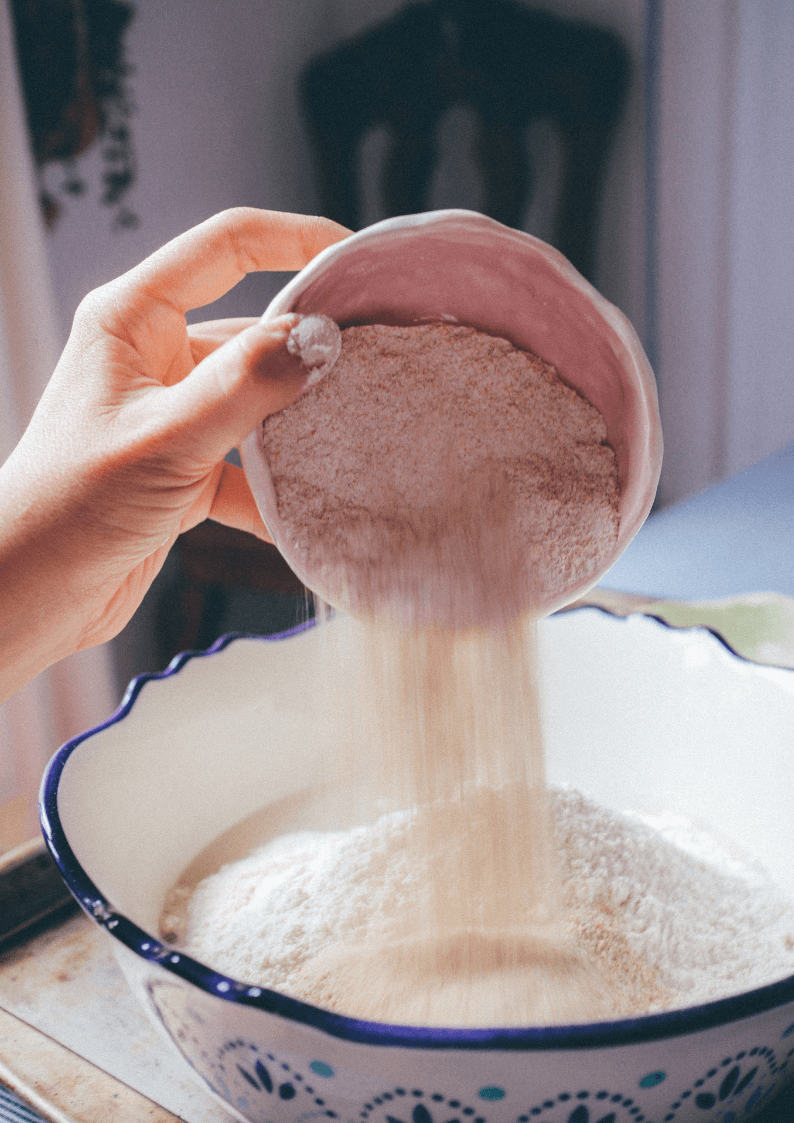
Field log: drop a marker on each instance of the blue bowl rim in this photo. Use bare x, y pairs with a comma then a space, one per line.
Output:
627, 1031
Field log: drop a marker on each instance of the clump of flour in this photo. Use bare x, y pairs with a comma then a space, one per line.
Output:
670, 927
484, 480
317, 341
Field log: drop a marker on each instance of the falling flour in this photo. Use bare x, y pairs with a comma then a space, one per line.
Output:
449, 488
676, 918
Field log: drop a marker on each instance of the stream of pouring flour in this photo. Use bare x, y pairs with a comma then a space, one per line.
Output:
447, 725
441, 475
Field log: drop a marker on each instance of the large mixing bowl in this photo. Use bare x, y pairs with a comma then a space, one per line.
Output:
462, 267
637, 716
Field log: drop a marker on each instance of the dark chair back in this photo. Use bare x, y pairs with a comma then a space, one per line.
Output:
511, 66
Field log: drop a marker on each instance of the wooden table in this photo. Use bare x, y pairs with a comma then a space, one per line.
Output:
75, 1043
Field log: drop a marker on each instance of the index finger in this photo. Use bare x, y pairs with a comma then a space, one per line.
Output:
206, 337
202, 264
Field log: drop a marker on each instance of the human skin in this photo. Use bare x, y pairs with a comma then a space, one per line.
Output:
126, 448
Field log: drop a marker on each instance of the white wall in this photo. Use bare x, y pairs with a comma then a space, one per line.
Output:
725, 312
218, 125
760, 416
693, 171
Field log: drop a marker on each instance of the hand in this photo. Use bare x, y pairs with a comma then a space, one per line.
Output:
125, 450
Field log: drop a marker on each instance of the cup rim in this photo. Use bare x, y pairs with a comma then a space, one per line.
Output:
636, 499
626, 1031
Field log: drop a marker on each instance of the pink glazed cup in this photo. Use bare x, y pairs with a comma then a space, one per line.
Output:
461, 267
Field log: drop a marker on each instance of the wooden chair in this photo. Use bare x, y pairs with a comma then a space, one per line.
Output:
509, 64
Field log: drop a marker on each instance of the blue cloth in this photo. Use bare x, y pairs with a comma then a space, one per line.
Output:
736, 537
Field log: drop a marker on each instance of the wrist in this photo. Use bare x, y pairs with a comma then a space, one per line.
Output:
40, 621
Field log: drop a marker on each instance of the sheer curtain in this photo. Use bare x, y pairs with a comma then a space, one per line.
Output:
723, 182
80, 691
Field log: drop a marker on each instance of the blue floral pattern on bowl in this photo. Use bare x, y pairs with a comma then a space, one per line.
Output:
273, 1059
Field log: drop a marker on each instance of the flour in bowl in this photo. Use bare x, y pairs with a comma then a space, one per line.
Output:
673, 918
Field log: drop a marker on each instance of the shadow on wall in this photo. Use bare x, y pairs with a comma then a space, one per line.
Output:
511, 67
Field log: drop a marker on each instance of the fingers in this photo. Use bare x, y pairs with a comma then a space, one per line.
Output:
234, 388
204, 263
233, 504
208, 336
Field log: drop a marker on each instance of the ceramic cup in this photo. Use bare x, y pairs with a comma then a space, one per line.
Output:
457, 266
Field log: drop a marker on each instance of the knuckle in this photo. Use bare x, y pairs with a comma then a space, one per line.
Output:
91, 304
95, 309
239, 225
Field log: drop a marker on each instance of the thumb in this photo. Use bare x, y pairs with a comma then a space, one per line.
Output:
233, 389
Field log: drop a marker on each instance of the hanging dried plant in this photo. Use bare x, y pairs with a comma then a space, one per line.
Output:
73, 71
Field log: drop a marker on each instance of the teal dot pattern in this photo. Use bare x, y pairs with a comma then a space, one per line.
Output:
735, 1086
652, 1079
263, 1085
584, 1106
418, 1105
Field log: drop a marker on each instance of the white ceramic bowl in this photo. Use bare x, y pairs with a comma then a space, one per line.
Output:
459, 266
637, 716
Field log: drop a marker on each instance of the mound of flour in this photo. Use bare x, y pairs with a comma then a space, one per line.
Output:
436, 464
673, 917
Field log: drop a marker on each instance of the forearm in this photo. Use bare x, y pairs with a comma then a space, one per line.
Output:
35, 631
40, 619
